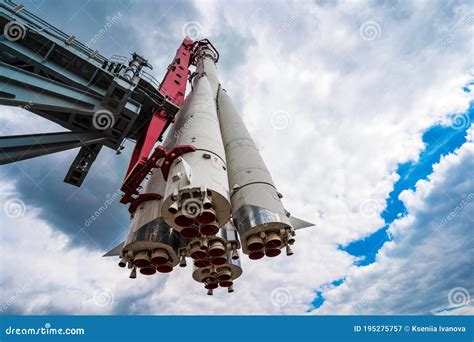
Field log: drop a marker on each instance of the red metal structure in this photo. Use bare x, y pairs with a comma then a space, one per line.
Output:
173, 88
220, 196
92, 90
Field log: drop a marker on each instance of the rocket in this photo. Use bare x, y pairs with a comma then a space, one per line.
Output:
196, 199
212, 201
151, 245
257, 211
208, 199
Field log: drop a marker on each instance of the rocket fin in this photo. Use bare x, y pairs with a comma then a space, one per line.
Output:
116, 250
297, 223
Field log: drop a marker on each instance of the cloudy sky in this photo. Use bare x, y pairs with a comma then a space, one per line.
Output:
363, 112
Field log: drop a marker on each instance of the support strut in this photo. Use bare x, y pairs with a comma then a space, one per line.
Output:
19, 147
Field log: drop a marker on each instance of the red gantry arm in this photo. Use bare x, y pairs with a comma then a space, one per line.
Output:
173, 87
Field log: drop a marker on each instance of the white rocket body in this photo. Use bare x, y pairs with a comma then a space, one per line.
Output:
257, 209
151, 244
215, 200
196, 198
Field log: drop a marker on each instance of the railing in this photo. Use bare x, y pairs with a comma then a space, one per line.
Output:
42, 26
118, 59
150, 79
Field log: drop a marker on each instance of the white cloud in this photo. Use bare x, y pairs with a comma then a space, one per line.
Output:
358, 107
42, 273
427, 267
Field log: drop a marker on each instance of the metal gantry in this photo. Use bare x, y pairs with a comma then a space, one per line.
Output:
209, 193
100, 101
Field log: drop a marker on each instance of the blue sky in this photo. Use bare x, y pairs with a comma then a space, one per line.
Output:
362, 112
439, 141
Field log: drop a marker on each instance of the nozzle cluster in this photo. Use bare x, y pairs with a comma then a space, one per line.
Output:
213, 277
193, 214
216, 259
269, 243
148, 262
217, 198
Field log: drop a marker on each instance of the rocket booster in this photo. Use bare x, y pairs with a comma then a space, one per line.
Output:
221, 264
196, 199
207, 203
151, 244
257, 210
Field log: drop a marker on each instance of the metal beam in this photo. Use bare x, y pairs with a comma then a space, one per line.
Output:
73, 108
82, 163
33, 59
51, 74
22, 88
19, 147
